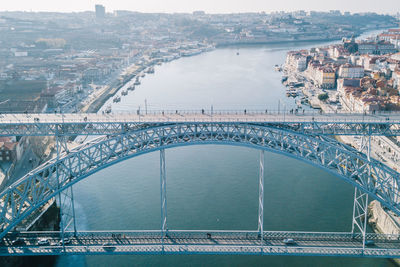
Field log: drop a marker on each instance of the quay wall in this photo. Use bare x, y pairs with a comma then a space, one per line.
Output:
383, 221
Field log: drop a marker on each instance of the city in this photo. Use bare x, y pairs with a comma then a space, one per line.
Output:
84, 93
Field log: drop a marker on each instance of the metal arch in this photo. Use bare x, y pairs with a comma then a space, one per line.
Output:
38, 186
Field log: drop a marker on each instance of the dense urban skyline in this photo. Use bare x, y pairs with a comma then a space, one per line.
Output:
220, 6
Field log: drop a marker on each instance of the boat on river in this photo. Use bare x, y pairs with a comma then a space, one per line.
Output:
108, 109
278, 68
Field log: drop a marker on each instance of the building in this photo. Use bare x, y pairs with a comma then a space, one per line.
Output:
343, 83
297, 60
326, 77
100, 11
8, 149
351, 71
199, 13
392, 36
396, 79
376, 47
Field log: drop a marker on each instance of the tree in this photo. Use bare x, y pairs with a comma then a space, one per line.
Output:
323, 97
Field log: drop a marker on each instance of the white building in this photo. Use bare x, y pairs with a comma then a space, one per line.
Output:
297, 61
351, 71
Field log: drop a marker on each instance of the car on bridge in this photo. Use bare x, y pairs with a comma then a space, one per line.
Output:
289, 241
18, 242
65, 241
108, 247
369, 243
43, 242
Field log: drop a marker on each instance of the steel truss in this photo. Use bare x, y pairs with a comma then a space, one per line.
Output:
48, 180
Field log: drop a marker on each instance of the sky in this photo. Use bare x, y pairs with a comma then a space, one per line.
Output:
210, 6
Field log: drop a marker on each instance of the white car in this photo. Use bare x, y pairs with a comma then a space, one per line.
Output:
289, 241
43, 242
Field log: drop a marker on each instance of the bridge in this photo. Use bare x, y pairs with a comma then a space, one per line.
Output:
306, 137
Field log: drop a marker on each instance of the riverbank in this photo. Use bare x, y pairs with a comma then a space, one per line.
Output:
383, 221
105, 93
256, 43
135, 71
291, 40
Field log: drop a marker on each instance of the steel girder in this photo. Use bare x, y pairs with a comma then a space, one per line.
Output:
78, 124
38, 186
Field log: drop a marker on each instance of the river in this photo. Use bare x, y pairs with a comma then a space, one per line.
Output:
215, 187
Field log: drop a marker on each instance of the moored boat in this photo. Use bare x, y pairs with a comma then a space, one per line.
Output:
108, 109
117, 99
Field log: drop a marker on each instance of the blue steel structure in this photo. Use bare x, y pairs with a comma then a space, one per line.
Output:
127, 139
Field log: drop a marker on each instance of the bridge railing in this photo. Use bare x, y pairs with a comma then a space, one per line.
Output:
250, 111
191, 115
210, 233
253, 112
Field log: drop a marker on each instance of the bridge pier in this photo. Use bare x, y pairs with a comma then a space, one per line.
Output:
163, 194
66, 197
360, 206
58, 144
261, 198
67, 209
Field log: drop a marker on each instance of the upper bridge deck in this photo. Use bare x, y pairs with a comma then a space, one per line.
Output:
311, 122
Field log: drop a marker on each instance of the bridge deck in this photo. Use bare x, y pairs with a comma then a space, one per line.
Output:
203, 242
111, 124
197, 117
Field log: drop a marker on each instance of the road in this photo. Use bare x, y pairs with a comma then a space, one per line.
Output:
197, 116
211, 242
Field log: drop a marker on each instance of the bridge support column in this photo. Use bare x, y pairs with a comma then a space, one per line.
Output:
261, 198
67, 209
163, 194
62, 229
360, 213
66, 197
360, 206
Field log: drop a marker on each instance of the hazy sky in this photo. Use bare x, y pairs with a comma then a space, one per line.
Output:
210, 6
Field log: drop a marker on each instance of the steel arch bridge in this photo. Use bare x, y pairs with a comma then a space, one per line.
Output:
370, 176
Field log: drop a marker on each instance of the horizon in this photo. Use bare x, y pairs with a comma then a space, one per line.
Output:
391, 7
183, 12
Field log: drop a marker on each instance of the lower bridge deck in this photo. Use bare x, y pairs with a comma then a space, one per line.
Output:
200, 242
